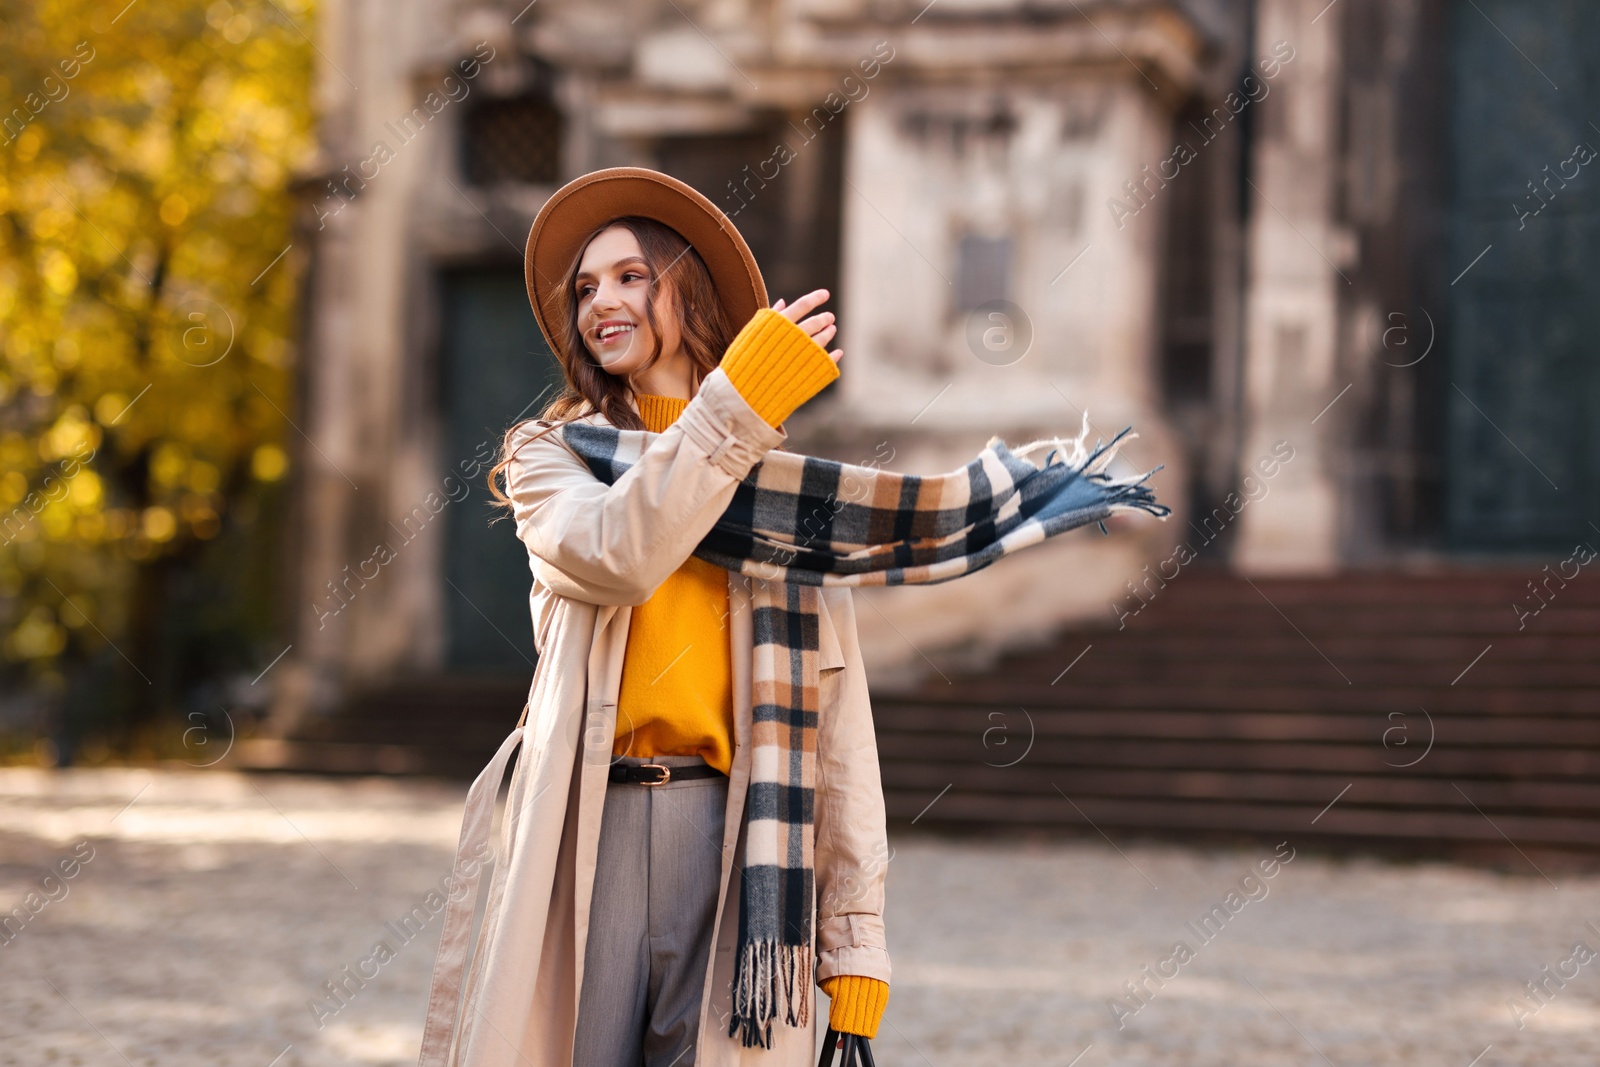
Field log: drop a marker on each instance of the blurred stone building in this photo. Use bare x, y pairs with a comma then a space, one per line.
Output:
1331, 260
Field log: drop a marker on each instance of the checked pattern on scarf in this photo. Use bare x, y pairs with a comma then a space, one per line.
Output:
797, 522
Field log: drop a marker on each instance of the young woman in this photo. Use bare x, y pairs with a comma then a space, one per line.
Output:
626, 942
695, 829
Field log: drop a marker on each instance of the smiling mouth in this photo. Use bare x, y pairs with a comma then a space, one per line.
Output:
610, 335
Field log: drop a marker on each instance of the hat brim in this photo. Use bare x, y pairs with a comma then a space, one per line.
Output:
575, 210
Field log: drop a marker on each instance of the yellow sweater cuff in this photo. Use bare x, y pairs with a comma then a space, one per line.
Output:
856, 1004
776, 366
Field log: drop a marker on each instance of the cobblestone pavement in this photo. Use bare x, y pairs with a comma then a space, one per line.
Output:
204, 912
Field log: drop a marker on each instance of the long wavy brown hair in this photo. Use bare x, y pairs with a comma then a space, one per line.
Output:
676, 270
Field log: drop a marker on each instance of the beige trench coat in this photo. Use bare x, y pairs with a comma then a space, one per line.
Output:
595, 551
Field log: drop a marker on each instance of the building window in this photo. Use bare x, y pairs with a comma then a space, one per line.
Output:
983, 271
517, 139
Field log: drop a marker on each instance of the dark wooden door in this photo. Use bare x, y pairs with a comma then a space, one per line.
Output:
1523, 393
494, 368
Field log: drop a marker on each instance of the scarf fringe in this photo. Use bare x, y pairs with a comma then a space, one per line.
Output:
769, 979
1075, 455
1119, 494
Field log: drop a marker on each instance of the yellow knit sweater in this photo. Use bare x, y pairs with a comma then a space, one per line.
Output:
676, 697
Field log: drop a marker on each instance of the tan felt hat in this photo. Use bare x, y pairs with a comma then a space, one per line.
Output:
579, 207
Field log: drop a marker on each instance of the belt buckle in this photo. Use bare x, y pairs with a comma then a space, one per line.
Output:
666, 773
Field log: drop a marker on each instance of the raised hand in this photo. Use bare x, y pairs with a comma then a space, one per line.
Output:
821, 326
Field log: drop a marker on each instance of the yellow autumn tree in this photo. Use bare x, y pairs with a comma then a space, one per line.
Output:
147, 299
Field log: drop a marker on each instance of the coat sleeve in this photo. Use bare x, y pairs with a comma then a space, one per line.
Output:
615, 544
852, 845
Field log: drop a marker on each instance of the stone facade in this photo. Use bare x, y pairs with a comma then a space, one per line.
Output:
1155, 213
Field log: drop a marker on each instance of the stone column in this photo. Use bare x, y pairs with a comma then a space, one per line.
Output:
364, 612
1297, 257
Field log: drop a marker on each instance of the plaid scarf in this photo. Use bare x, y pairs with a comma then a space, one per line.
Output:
797, 522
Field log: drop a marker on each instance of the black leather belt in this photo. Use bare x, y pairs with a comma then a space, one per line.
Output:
659, 774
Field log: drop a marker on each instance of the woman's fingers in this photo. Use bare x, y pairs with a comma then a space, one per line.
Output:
795, 311
816, 324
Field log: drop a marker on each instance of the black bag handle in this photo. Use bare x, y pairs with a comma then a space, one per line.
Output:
857, 1050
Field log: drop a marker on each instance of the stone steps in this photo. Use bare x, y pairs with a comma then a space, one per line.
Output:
1370, 708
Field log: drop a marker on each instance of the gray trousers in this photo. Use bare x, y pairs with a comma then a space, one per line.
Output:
649, 940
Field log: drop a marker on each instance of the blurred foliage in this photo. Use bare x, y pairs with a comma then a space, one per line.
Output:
146, 329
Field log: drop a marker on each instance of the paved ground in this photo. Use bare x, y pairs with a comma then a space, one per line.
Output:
200, 920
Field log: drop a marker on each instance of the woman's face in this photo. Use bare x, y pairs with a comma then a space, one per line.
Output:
613, 285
